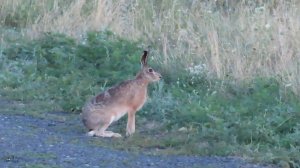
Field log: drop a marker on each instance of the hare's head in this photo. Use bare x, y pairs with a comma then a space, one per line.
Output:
147, 73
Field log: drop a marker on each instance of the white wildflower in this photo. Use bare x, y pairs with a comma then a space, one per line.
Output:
197, 69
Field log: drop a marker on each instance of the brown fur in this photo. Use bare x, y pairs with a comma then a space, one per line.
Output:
110, 105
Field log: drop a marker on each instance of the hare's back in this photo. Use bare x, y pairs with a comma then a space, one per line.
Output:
114, 93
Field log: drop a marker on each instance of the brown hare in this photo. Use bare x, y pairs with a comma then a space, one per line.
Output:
110, 105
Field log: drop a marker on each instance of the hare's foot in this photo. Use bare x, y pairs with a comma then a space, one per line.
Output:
101, 132
129, 132
117, 135
91, 133
107, 134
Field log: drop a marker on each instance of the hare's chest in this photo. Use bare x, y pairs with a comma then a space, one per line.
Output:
139, 100
142, 102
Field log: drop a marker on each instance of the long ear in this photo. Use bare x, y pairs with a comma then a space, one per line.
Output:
144, 58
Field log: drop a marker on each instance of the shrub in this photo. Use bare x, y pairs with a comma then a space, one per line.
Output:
59, 69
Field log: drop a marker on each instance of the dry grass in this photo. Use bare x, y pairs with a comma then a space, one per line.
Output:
240, 39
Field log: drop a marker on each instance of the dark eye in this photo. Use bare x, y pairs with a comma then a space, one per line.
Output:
150, 70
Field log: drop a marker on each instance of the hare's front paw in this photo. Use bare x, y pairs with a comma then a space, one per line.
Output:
129, 132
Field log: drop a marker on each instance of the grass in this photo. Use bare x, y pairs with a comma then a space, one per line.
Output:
192, 115
241, 39
230, 70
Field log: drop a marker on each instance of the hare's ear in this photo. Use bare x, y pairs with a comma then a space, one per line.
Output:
144, 58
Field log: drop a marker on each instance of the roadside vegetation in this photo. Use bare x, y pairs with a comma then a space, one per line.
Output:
230, 69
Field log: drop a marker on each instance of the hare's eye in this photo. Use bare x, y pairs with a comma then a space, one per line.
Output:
150, 70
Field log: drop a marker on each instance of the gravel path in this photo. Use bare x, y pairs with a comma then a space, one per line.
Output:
27, 141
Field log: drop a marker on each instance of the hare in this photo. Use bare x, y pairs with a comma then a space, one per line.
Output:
110, 105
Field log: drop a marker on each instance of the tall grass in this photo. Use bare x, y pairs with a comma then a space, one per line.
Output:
239, 39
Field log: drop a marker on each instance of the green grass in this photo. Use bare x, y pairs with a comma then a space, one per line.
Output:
192, 114
41, 69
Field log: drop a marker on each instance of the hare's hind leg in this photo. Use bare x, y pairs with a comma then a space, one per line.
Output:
101, 132
107, 134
